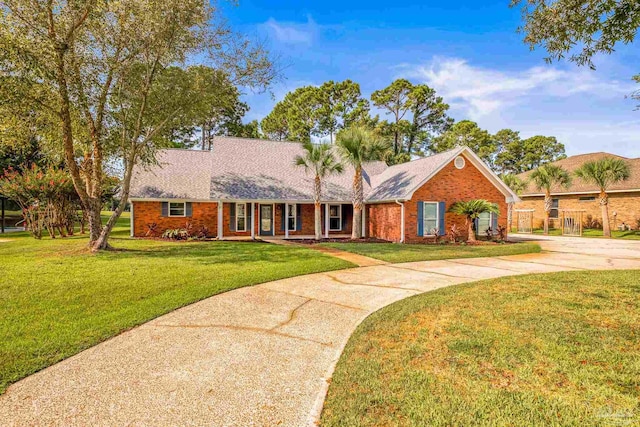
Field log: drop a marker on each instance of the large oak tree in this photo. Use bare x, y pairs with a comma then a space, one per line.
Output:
101, 71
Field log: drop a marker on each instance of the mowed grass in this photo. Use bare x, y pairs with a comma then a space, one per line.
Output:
561, 349
592, 232
408, 253
58, 299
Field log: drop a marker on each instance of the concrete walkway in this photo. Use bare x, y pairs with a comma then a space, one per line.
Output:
256, 356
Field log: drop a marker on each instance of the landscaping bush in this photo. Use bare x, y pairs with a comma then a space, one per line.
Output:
591, 222
46, 198
175, 234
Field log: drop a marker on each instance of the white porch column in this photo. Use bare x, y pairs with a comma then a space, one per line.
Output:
220, 220
326, 220
253, 220
364, 218
130, 218
286, 220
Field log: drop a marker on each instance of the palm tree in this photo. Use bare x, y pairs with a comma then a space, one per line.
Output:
517, 186
545, 177
471, 210
604, 173
318, 159
358, 146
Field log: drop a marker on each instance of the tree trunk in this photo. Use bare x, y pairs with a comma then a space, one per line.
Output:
316, 204
358, 201
548, 203
471, 233
101, 241
204, 137
95, 223
604, 205
318, 220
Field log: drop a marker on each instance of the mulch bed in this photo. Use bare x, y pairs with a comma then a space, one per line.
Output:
339, 240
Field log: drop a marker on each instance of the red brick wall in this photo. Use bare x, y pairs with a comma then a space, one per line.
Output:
203, 214
451, 185
384, 221
206, 214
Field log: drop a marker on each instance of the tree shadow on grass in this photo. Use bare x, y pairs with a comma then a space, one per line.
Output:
216, 252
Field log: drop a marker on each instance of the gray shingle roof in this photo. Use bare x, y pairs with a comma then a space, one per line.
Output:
180, 174
251, 169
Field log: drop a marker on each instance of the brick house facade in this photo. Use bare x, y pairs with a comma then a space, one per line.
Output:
248, 188
624, 197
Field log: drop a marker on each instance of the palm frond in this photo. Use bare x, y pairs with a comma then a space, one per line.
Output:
473, 208
604, 172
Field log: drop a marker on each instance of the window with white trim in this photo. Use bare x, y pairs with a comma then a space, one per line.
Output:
177, 209
291, 216
430, 218
241, 217
335, 217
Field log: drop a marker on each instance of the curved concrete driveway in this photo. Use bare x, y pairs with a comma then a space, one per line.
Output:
259, 355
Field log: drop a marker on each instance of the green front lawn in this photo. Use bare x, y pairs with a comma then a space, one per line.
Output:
560, 349
592, 232
57, 299
408, 253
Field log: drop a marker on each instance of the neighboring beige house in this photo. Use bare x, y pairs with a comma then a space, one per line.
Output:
624, 197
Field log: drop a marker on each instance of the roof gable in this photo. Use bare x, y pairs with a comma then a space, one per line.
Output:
399, 182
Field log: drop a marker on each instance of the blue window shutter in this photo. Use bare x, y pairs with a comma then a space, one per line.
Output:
298, 217
249, 213
420, 219
494, 222
165, 208
441, 222
188, 209
232, 217
476, 225
283, 217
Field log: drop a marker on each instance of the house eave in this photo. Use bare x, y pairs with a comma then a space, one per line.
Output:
580, 193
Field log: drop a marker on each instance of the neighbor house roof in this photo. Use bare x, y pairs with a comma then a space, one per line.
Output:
252, 169
579, 186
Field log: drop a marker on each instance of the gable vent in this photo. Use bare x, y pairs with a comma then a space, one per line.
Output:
459, 162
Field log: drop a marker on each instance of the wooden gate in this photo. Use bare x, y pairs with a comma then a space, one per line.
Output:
524, 220
572, 222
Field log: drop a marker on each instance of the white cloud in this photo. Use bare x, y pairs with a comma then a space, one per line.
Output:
480, 91
292, 32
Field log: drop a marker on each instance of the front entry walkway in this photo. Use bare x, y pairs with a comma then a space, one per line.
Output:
259, 355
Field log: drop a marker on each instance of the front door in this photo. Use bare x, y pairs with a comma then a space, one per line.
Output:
266, 220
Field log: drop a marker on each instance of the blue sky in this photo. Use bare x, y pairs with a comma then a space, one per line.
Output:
469, 51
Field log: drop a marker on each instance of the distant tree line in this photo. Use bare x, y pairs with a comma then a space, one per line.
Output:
417, 124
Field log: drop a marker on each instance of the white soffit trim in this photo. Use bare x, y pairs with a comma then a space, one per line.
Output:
571, 193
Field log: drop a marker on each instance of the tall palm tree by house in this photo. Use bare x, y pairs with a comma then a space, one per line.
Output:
471, 210
358, 146
517, 186
319, 160
545, 177
604, 173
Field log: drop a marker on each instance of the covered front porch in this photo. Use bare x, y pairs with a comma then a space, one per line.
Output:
250, 219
